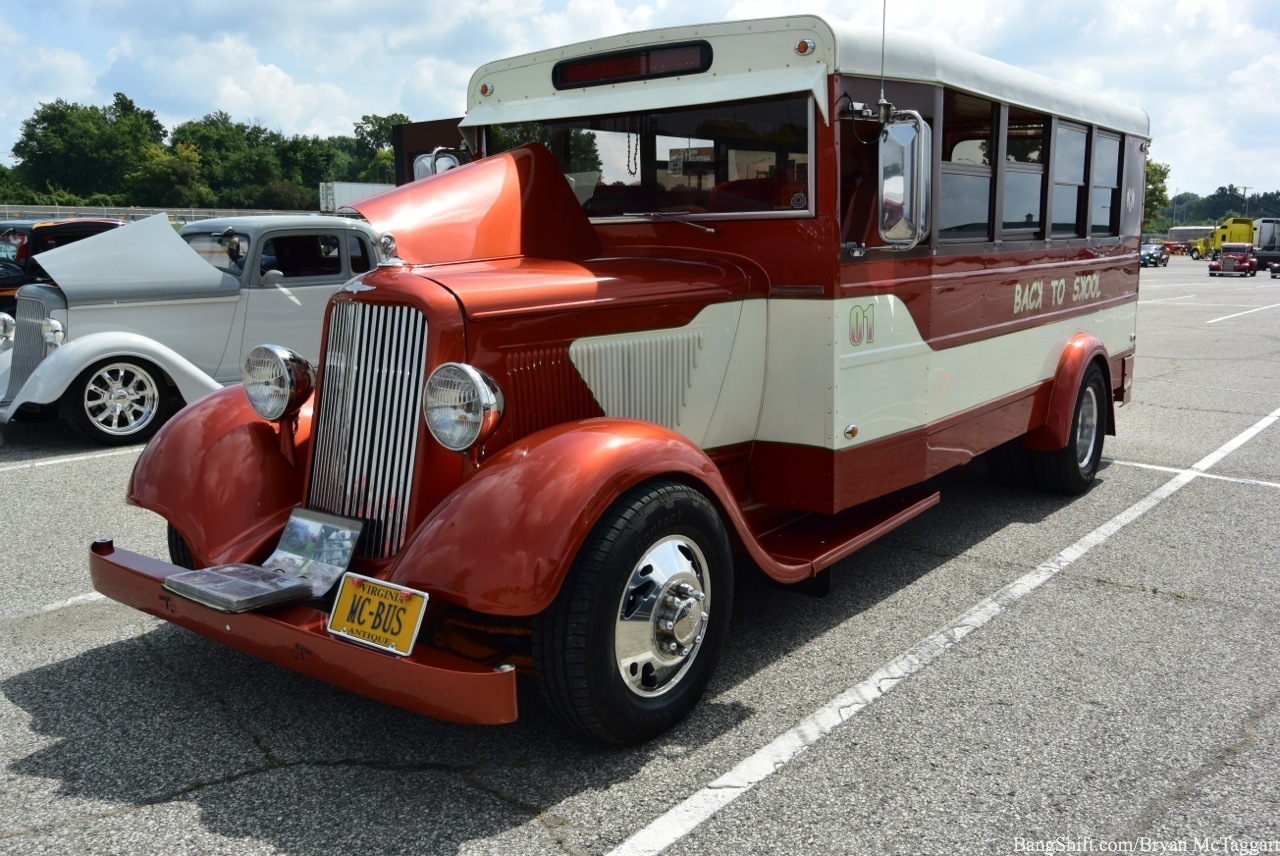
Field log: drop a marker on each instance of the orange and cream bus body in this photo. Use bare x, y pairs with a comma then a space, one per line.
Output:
702, 297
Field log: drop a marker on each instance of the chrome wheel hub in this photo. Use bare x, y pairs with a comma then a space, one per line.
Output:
121, 399
1087, 428
663, 616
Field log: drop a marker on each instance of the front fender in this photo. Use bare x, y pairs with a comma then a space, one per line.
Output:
63, 365
217, 473
503, 542
1055, 433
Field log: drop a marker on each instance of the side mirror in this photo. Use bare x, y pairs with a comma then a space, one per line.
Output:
272, 277
440, 160
906, 154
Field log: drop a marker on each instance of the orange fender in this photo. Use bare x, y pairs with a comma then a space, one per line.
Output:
217, 472
503, 542
1055, 433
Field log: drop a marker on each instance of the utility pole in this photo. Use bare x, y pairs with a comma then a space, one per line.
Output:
1244, 191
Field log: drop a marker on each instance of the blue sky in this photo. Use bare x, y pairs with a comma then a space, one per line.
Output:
1210, 81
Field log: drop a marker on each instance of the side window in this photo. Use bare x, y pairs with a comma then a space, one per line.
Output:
361, 257
1104, 218
1068, 179
965, 191
1024, 170
301, 256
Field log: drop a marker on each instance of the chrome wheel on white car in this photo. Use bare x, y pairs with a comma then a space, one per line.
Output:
117, 402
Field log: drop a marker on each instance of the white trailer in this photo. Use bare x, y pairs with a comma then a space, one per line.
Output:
338, 194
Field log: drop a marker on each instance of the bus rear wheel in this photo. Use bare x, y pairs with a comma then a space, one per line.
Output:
1071, 469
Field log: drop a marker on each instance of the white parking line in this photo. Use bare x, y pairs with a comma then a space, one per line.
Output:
1238, 314
91, 597
1160, 469
681, 820
1165, 299
31, 465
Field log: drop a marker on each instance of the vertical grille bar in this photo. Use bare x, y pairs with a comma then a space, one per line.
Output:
367, 423
29, 347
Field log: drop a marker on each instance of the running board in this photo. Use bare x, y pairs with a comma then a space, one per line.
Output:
821, 540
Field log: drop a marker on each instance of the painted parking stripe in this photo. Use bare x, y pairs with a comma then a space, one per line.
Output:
1238, 314
681, 820
31, 465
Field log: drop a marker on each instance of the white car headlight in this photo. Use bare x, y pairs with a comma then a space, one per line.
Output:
462, 406
6, 326
53, 331
277, 381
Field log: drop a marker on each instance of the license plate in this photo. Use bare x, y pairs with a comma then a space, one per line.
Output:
378, 614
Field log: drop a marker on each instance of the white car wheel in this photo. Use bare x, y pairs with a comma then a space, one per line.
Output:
117, 402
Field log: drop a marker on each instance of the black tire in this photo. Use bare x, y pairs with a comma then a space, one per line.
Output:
658, 565
179, 551
117, 402
1071, 469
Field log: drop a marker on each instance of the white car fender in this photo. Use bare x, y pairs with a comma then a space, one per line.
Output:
61, 366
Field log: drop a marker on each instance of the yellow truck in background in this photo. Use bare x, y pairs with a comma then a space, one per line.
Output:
1237, 230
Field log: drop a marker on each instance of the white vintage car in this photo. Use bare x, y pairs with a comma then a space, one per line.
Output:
139, 321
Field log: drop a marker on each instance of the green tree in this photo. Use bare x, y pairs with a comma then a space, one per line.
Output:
168, 176
584, 154
1156, 197
84, 150
381, 168
238, 160
373, 133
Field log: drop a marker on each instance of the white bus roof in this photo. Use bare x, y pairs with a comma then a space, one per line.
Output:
756, 58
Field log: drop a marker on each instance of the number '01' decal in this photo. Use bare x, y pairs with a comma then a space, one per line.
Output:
862, 325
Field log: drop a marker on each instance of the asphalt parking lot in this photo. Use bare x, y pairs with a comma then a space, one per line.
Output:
1010, 672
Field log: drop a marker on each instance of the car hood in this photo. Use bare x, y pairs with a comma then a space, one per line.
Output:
517, 203
146, 260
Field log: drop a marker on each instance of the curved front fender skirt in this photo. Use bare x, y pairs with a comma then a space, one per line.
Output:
63, 365
217, 473
503, 542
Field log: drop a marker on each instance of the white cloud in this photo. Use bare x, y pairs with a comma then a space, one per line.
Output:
36, 74
1210, 81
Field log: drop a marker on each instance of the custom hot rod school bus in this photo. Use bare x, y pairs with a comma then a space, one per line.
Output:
704, 293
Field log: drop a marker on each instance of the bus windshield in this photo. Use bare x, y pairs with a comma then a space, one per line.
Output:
742, 157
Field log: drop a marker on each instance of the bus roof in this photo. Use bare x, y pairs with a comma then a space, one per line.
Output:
910, 57
756, 57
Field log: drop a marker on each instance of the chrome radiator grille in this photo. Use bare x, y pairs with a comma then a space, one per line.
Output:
29, 347
367, 422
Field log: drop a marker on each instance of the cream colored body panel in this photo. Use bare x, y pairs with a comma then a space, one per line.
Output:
802, 371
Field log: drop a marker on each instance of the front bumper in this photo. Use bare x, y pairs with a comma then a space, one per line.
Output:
428, 681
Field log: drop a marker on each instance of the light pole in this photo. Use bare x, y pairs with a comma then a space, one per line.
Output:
1244, 191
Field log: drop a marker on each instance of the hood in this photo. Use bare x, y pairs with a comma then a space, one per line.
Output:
146, 260
517, 203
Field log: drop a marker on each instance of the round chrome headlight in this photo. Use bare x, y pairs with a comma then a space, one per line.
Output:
462, 406
53, 331
6, 326
277, 381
